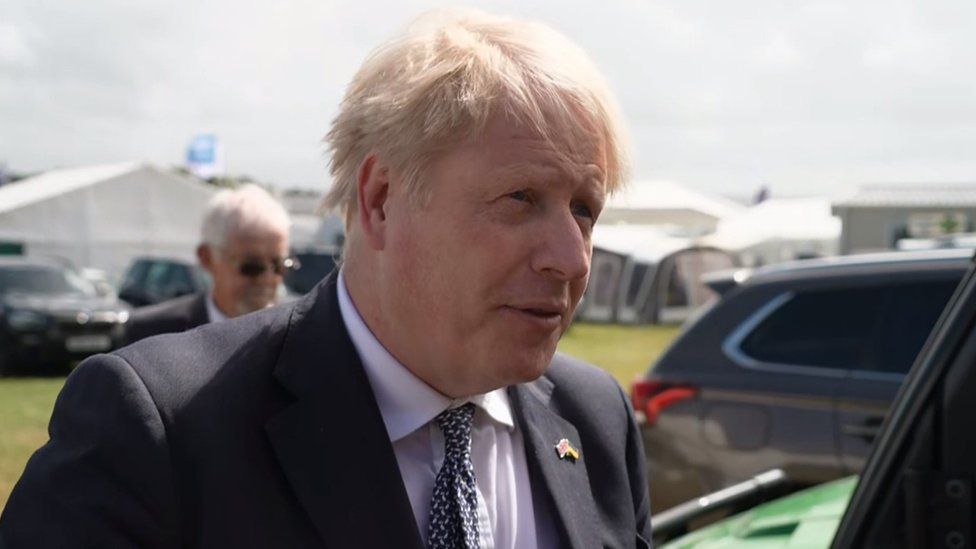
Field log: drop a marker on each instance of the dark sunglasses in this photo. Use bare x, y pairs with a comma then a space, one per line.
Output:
253, 268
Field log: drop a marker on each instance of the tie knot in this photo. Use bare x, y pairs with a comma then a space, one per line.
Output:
456, 423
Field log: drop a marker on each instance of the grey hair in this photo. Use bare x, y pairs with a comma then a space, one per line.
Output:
446, 76
247, 209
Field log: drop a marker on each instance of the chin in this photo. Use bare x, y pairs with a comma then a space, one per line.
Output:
529, 366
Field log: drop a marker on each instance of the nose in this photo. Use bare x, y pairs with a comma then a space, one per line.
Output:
563, 250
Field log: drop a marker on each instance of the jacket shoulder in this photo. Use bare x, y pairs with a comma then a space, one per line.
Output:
175, 315
175, 366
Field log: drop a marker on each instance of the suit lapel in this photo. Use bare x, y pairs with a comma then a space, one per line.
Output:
331, 442
564, 482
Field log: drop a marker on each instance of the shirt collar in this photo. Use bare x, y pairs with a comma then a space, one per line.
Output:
406, 402
214, 314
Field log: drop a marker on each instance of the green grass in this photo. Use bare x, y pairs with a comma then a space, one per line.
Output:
25, 404
624, 351
25, 407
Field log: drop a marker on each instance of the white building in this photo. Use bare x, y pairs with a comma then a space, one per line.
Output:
877, 217
104, 216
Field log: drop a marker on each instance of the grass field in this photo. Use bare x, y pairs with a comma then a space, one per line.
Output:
25, 406
624, 351
25, 403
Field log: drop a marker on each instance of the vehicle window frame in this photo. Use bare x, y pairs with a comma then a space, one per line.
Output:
732, 348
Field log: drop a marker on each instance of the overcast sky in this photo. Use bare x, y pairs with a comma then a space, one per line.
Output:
808, 97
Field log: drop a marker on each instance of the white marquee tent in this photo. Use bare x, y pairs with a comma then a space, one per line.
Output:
778, 230
104, 216
667, 203
644, 274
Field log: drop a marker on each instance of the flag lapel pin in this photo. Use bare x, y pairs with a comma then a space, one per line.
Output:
565, 450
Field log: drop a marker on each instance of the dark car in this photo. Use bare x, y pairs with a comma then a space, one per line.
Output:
50, 316
793, 367
151, 280
916, 489
313, 264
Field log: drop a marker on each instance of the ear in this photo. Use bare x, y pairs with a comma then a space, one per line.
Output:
373, 186
205, 257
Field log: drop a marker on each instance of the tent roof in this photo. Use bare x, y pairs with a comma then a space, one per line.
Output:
665, 195
56, 182
777, 219
642, 242
919, 195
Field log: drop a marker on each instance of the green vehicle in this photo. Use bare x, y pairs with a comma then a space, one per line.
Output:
805, 519
916, 490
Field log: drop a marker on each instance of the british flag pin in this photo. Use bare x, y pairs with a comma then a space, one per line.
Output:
565, 450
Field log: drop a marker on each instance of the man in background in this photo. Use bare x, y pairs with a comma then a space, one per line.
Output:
244, 248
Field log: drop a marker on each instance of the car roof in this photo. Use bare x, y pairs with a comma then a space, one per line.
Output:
722, 281
24, 261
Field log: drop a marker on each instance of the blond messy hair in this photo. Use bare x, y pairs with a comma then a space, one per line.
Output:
442, 80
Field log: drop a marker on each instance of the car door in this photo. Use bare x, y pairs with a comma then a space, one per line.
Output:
909, 311
917, 486
792, 356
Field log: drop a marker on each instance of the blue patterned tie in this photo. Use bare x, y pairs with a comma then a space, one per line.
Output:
454, 505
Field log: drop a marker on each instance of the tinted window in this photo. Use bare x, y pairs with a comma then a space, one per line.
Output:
136, 274
910, 315
828, 328
167, 280
871, 328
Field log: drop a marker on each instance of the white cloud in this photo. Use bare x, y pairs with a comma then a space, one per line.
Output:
14, 49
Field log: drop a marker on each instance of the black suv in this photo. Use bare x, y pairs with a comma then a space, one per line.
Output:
51, 316
792, 367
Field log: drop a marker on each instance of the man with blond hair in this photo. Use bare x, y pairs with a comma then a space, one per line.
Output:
244, 247
413, 399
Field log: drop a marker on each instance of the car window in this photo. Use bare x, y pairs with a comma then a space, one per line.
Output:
179, 282
136, 274
910, 314
166, 280
878, 329
829, 329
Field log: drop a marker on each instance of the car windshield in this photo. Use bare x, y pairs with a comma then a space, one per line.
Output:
38, 279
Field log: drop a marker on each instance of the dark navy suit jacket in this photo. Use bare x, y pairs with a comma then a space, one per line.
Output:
175, 315
263, 431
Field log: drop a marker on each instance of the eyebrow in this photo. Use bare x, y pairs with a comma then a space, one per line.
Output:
534, 173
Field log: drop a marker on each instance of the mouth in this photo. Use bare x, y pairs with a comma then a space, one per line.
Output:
543, 316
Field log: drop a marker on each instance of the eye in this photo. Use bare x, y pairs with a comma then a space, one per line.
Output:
520, 195
582, 210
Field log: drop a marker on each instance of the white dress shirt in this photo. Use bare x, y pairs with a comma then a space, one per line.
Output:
409, 406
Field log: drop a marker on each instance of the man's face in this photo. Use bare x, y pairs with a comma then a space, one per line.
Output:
234, 291
481, 280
